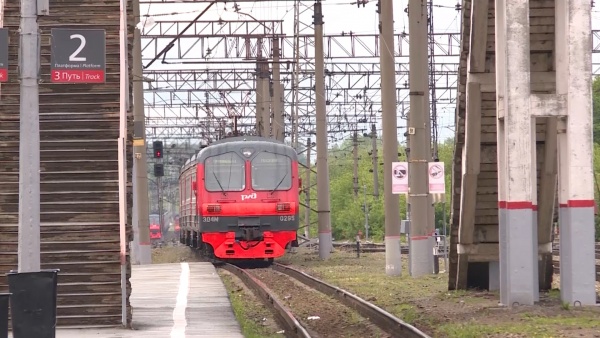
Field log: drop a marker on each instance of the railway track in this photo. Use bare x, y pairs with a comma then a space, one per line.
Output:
281, 282
286, 319
557, 268
377, 247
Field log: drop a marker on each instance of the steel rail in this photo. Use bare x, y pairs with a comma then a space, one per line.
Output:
556, 267
383, 319
292, 327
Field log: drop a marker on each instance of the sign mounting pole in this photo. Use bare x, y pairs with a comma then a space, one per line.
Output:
29, 141
122, 163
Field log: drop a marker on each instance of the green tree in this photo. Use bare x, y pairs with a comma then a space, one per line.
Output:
347, 210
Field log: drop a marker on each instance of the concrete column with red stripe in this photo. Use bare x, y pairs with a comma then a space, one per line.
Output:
576, 176
516, 144
534, 210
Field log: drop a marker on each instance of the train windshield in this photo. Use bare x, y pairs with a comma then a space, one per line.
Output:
271, 172
224, 172
154, 219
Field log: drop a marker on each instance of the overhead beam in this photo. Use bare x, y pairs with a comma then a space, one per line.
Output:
197, 48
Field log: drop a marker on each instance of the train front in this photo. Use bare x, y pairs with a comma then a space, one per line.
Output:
249, 202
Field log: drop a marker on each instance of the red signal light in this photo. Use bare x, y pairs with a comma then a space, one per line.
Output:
158, 148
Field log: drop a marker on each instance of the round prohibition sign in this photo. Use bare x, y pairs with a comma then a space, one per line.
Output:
436, 171
400, 171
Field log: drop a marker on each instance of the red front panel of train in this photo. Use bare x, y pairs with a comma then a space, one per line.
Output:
248, 207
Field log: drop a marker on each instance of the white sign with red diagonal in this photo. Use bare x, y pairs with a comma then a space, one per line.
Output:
437, 178
400, 178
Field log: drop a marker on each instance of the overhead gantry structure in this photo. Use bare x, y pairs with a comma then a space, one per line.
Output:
209, 77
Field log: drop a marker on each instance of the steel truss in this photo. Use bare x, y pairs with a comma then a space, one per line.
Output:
198, 45
244, 79
212, 85
351, 88
176, 100
185, 106
169, 2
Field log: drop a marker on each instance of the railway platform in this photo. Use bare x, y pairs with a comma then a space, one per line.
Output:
185, 300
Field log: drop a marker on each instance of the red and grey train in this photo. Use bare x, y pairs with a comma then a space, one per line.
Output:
155, 230
239, 199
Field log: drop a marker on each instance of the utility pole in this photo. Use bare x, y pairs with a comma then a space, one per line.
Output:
431, 46
307, 191
29, 141
375, 160
393, 265
432, 121
144, 253
277, 125
355, 153
421, 244
366, 216
296, 74
262, 94
323, 197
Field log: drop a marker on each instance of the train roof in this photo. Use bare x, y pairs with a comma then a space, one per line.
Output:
247, 139
236, 144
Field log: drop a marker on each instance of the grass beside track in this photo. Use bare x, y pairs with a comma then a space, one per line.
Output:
173, 254
426, 303
256, 321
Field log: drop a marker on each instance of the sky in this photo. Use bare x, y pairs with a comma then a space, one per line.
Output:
339, 16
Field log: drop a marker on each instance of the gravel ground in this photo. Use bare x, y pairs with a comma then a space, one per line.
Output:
318, 313
426, 302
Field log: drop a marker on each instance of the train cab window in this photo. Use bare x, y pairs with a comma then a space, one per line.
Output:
224, 172
154, 219
271, 172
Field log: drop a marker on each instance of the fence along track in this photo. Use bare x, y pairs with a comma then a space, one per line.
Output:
79, 173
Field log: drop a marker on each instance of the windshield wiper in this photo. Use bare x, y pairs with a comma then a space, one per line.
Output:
278, 184
219, 183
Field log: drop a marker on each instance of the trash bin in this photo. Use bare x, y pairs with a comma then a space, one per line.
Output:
33, 303
4, 298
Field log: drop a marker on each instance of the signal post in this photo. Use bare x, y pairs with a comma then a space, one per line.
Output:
159, 172
143, 254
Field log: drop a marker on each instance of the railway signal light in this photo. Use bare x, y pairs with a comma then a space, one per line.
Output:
158, 149
159, 170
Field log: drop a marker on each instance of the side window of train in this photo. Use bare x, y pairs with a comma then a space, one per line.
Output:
224, 172
271, 172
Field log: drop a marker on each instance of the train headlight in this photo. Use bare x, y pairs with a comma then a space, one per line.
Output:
213, 208
283, 207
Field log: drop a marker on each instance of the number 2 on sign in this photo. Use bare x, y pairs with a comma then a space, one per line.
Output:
74, 57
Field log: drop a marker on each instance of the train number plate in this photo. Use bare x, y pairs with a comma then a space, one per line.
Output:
210, 219
287, 218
